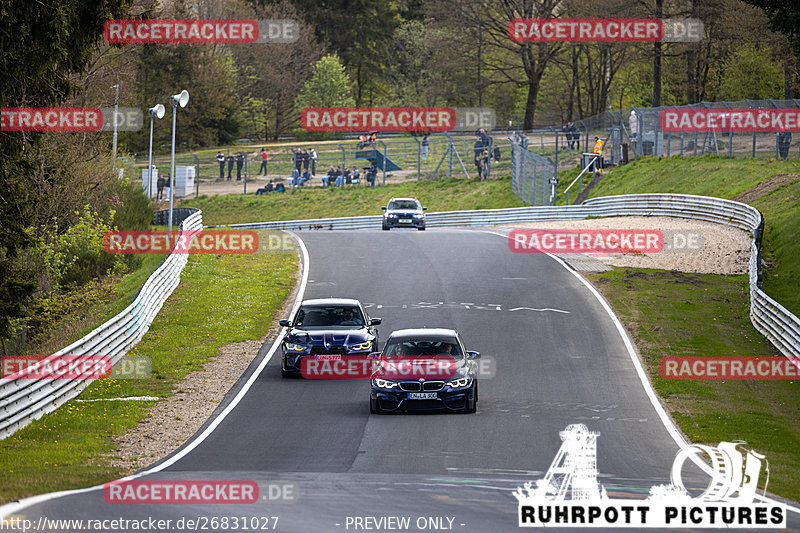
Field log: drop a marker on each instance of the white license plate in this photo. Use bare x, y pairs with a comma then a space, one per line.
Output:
329, 357
405, 221
422, 396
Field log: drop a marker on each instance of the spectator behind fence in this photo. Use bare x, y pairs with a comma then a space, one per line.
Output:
327, 178
425, 143
268, 188
239, 165
356, 175
305, 177
264, 159
313, 154
524, 141
160, 183
297, 158
574, 136
279, 187
230, 160
306, 159
372, 173
221, 161
338, 175
784, 140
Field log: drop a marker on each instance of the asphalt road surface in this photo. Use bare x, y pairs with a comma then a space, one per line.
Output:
557, 359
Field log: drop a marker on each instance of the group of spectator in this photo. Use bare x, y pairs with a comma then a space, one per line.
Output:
230, 160
485, 153
571, 135
304, 160
270, 187
338, 177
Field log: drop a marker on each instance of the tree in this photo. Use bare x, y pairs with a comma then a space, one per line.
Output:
329, 86
750, 73
784, 17
44, 43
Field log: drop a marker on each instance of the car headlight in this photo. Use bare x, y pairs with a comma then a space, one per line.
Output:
361, 347
419, 215
459, 383
295, 347
385, 383
391, 215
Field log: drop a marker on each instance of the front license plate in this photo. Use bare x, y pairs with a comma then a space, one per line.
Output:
329, 357
422, 396
405, 221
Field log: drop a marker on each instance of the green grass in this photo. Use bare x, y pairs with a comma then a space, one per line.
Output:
221, 299
676, 314
727, 178
316, 202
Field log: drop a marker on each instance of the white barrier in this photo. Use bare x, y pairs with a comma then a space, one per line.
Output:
24, 400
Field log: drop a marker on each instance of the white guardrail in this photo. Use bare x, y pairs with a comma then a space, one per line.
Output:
769, 317
24, 400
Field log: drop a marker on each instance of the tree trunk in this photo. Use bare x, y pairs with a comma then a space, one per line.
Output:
788, 93
530, 104
657, 60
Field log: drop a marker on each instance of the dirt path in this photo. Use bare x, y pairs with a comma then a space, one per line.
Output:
764, 188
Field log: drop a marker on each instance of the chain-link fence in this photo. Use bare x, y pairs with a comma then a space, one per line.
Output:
532, 175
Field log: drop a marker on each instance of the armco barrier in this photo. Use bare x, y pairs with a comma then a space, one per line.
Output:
22, 400
773, 320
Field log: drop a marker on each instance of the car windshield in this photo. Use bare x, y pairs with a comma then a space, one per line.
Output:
404, 204
425, 347
329, 315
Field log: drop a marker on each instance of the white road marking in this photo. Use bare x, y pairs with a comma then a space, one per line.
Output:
543, 309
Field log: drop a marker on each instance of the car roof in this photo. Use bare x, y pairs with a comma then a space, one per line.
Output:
423, 332
331, 301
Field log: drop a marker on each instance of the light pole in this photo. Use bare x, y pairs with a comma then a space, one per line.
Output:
156, 111
116, 103
176, 100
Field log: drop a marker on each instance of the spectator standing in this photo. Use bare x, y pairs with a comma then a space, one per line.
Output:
306, 160
221, 161
574, 136
524, 141
633, 123
425, 143
784, 142
230, 159
477, 149
264, 159
239, 165
372, 173
313, 154
160, 183
298, 159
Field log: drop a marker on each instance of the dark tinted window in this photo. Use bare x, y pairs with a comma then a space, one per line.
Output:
327, 316
426, 347
404, 204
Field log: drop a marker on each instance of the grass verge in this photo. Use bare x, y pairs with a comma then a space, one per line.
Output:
676, 314
221, 299
727, 178
317, 202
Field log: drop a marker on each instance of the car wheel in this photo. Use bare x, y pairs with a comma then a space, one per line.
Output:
421, 228
385, 227
373, 409
474, 407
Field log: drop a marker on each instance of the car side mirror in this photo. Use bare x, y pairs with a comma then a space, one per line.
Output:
424, 208
374, 321
284, 323
473, 355
383, 207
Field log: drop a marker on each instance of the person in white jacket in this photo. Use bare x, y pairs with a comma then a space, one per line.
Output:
634, 125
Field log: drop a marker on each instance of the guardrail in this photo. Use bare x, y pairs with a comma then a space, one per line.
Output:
769, 317
25, 400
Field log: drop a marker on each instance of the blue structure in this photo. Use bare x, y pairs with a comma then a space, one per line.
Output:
380, 161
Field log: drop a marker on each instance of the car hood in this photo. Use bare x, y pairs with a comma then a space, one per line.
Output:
329, 337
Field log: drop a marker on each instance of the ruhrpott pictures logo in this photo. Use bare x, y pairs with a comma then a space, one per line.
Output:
727, 502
